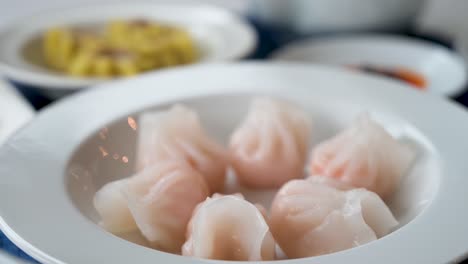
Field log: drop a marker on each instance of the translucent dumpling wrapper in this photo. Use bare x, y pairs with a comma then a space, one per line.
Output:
331, 182
161, 199
112, 207
177, 134
364, 155
270, 146
229, 228
309, 219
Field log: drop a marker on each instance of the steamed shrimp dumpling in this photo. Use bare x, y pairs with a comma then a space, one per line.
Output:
177, 134
270, 146
331, 182
161, 199
364, 155
229, 228
309, 219
112, 207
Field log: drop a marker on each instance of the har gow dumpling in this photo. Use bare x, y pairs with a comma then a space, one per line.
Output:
270, 146
229, 228
331, 182
177, 134
364, 155
112, 207
309, 219
161, 199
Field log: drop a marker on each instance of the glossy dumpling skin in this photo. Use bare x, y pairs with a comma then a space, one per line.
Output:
161, 199
177, 134
270, 146
329, 181
229, 228
112, 207
309, 219
364, 155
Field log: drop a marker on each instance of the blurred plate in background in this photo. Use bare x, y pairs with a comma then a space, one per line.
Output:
318, 16
443, 71
219, 34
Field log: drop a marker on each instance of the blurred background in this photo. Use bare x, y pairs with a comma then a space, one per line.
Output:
278, 23
421, 42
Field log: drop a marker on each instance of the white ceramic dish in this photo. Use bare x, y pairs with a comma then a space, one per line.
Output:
444, 70
46, 208
219, 34
14, 111
320, 16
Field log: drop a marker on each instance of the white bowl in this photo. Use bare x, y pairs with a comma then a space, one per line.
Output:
15, 112
444, 70
46, 207
219, 34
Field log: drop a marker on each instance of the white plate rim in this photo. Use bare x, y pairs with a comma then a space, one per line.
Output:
305, 45
57, 82
425, 239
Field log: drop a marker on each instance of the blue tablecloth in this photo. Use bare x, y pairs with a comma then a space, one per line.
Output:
269, 40
8, 246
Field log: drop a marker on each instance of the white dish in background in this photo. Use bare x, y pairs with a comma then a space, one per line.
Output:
444, 70
219, 34
320, 16
14, 111
57, 221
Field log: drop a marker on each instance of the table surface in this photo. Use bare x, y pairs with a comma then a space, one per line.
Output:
270, 39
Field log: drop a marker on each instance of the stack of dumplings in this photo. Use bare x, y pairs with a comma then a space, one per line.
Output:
176, 198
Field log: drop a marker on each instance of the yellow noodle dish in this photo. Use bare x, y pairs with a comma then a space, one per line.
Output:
122, 48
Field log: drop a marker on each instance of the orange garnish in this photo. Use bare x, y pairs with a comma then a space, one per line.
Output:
412, 77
